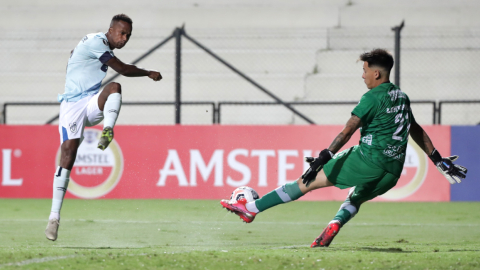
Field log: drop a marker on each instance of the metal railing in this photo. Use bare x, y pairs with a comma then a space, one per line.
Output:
440, 103
180, 32
217, 107
321, 103
6, 105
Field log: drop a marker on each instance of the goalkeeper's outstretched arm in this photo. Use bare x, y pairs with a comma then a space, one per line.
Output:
453, 172
421, 138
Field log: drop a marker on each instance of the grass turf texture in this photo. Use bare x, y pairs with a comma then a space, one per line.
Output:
188, 234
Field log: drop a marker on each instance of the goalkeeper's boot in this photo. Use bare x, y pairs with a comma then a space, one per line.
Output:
105, 138
239, 209
327, 235
51, 232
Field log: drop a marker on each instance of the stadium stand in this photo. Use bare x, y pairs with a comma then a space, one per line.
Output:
300, 50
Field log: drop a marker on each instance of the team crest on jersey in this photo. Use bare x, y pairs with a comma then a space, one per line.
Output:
397, 93
95, 172
73, 127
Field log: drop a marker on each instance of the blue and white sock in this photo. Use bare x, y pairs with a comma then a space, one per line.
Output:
60, 184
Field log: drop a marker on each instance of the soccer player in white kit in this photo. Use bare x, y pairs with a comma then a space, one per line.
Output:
83, 104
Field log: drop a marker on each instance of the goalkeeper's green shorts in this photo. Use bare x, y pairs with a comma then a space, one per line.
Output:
349, 169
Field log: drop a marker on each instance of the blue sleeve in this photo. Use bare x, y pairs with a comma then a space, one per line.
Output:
99, 49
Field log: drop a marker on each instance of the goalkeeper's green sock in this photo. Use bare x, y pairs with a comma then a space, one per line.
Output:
286, 193
347, 211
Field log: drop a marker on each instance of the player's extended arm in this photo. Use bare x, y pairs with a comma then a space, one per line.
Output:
132, 70
316, 164
453, 172
421, 138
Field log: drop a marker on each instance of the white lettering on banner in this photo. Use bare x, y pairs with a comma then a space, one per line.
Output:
283, 166
88, 170
196, 161
262, 165
173, 167
240, 167
7, 170
172, 159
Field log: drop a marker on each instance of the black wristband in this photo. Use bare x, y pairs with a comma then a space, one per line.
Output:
435, 157
325, 155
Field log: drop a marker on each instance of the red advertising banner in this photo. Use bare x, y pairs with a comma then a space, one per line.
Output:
194, 162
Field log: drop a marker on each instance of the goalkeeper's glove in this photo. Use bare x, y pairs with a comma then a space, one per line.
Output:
316, 164
453, 172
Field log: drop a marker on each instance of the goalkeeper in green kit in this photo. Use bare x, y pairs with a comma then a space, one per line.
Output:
370, 168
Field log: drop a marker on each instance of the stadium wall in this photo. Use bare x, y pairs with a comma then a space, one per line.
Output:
204, 162
466, 145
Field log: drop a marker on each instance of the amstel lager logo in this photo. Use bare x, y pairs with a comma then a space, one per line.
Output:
95, 172
413, 175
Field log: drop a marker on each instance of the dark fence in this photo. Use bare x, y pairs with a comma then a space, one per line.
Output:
217, 108
50, 121
319, 103
443, 103
443, 111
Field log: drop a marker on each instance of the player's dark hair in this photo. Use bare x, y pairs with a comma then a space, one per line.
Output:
121, 17
378, 57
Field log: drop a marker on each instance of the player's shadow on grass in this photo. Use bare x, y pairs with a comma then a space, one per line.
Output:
463, 250
387, 250
100, 247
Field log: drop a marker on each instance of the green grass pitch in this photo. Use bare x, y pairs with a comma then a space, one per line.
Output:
199, 234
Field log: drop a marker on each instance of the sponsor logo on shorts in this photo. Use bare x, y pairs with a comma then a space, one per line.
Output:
396, 152
113, 111
413, 174
73, 127
95, 172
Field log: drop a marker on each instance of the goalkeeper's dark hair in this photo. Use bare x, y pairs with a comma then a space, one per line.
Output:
379, 58
121, 17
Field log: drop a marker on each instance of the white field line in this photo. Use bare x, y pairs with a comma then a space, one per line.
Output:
48, 259
257, 222
37, 260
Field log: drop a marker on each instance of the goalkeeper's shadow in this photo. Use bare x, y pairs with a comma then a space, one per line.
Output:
387, 250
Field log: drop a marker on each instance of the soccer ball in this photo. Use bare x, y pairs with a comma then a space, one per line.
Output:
247, 193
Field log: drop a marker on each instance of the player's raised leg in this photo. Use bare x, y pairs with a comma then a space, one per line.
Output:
350, 207
283, 194
346, 212
109, 101
60, 183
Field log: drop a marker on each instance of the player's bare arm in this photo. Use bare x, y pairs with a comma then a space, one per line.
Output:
129, 70
344, 136
421, 138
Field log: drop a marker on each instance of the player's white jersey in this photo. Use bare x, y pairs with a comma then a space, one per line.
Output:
86, 67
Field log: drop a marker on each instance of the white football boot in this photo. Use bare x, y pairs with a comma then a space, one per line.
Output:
51, 232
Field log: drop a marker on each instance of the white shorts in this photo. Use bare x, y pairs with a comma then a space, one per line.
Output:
75, 116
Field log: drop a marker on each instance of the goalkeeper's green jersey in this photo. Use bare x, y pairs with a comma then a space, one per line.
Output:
386, 116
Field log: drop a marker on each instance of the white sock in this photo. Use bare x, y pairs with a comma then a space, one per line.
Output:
60, 184
111, 109
54, 215
252, 207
